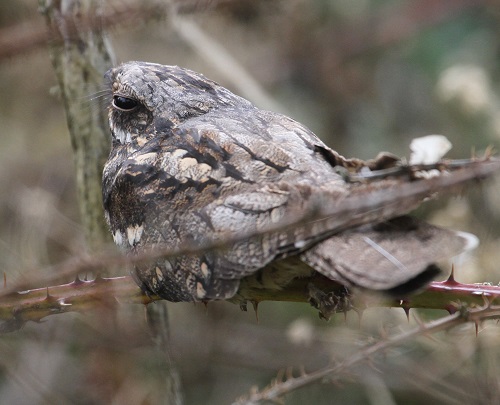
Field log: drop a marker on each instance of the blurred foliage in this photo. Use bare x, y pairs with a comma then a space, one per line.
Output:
365, 76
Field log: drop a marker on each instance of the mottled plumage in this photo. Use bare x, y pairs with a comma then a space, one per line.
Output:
190, 161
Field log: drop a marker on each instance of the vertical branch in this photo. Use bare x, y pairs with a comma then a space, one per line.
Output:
80, 57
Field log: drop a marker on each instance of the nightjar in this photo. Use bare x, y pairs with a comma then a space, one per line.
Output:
192, 162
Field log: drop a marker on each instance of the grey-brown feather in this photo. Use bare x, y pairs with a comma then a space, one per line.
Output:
193, 160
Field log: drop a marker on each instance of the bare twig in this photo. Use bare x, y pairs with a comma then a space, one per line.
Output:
279, 389
31, 35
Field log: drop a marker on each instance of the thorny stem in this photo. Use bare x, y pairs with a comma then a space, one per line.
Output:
16, 308
465, 314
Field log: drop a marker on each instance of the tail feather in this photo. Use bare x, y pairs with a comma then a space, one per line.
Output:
395, 256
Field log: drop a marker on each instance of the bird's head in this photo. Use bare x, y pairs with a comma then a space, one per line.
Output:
149, 99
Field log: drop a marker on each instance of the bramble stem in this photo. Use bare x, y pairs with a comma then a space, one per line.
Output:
81, 296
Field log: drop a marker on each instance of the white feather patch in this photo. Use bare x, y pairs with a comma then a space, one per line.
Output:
118, 238
134, 234
121, 135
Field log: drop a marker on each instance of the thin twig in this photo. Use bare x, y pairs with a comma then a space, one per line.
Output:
276, 391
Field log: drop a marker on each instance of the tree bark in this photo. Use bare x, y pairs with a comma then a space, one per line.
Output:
80, 58
81, 55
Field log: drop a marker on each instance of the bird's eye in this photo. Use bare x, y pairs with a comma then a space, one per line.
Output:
124, 103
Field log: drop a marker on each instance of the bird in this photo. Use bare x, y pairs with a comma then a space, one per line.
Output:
193, 164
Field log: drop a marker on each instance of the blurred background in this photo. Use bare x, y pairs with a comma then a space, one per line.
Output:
365, 76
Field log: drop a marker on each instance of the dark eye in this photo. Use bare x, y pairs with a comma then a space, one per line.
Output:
124, 103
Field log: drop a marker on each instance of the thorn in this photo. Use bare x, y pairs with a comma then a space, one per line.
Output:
407, 312
280, 375
476, 324
49, 297
98, 278
77, 281
406, 307
255, 305
289, 373
4, 279
489, 151
205, 303
451, 279
302, 370
359, 312
451, 309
